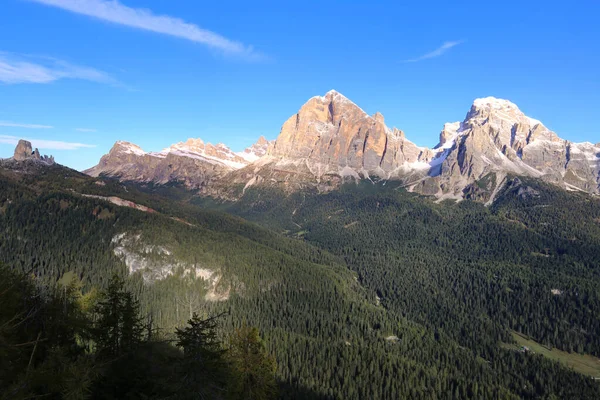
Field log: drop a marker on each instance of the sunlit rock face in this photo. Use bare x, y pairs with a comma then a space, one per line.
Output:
331, 140
497, 137
193, 163
24, 151
333, 131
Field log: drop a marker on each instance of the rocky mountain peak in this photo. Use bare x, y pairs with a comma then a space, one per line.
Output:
123, 147
197, 148
191, 144
331, 108
256, 151
448, 133
334, 134
398, 134
24, 151
498, 112
262, 141
493, 123
496, 137
334, 95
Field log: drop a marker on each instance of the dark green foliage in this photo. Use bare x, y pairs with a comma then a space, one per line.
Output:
467, 269
149, 372
118, 327
451, 280
463, 270
254, 369
123, 365
39, 351
204, 372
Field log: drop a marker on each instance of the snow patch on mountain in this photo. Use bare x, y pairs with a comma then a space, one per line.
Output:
130, 148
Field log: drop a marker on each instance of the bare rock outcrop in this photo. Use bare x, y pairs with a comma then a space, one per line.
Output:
334, 133
497, 137
192, 163
24, 152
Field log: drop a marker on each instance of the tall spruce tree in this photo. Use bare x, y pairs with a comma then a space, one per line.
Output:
254, 369
204, 373
118, 327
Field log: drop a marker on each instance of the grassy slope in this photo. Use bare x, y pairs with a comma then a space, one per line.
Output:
582, 363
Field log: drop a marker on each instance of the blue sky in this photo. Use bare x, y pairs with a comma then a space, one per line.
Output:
77, 75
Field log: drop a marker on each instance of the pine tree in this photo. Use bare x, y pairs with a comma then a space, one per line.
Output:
118, 327
254, 369
203, 368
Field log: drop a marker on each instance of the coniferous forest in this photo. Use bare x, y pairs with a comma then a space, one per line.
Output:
363, 293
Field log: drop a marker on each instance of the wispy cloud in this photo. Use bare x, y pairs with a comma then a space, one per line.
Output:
85, 130
118, 13
45, 144
437, 52
28, 126
16, 69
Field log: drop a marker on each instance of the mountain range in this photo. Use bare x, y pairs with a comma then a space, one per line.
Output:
331, 140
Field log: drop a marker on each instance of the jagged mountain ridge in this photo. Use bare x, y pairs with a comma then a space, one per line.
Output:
331, 140
193, 162
24, 152
496, 137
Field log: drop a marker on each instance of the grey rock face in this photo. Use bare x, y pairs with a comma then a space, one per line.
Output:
128, 162
496, 137
331, 139
24, 152
193, 163
257, 150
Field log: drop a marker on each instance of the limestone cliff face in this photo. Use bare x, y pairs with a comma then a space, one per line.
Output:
23, 150
332, 132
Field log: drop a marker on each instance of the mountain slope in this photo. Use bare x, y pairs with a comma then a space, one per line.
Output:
528, 262
496, 137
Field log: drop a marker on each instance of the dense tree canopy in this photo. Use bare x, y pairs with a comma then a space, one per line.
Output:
367, 292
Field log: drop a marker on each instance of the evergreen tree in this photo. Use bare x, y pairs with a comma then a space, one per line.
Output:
253, 368
203, 370
118, 328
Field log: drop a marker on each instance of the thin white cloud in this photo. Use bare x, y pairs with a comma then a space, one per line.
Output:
437, 52
45, 144
15, 69
85, 130
27, 126
118, 13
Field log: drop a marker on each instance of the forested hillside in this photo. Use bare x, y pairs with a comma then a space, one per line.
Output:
529, 262
367, 292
